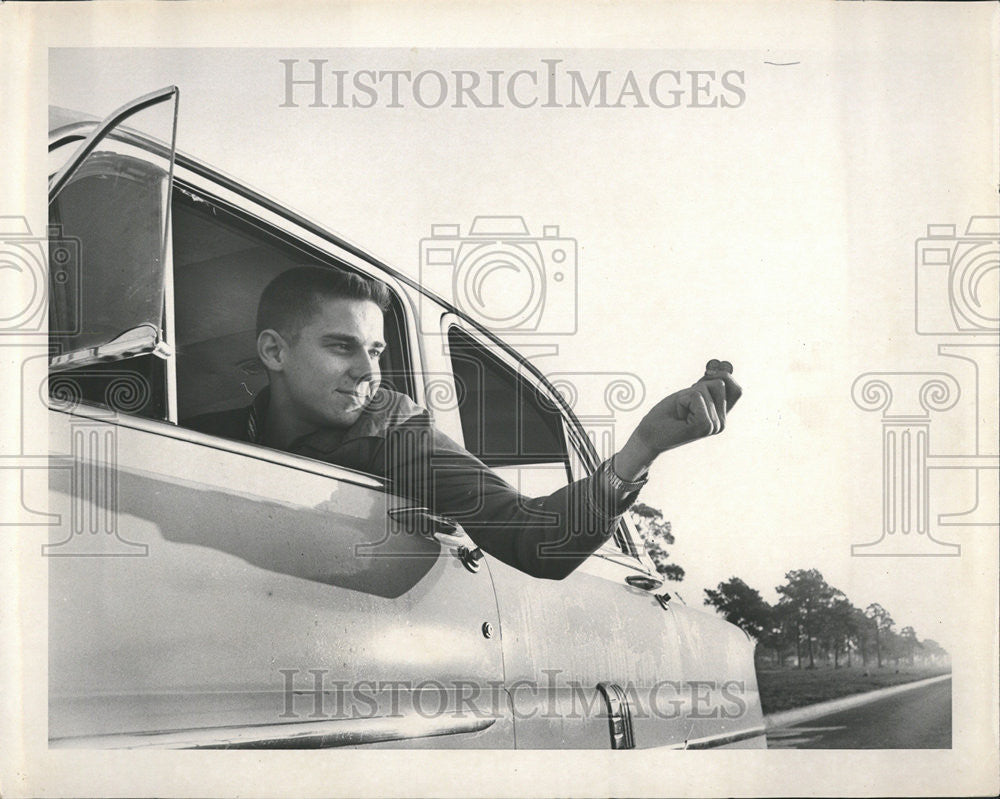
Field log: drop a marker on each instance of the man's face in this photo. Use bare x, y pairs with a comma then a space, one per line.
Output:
332, 369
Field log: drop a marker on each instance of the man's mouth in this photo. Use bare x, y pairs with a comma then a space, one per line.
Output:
360, 397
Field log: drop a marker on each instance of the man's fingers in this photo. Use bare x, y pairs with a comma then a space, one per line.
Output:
705, 418
717, 396
733, 390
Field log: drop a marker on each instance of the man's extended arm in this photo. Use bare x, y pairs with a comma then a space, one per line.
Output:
549, 536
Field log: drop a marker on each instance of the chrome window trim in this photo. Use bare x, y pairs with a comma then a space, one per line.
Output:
101, 129
625, 559
274, 456
169, 331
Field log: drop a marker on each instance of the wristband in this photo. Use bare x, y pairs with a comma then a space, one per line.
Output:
619, 484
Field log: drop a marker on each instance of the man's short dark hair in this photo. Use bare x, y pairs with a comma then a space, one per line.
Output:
288, 301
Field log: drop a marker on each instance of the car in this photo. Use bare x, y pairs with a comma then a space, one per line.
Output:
211, 593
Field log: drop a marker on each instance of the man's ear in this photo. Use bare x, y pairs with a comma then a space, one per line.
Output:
271, 350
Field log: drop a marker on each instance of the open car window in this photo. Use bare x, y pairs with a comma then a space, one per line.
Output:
507, 422
222, 260
511, 424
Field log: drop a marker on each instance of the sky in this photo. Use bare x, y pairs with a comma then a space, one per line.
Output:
778, 233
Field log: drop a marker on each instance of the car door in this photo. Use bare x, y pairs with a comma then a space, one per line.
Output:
604, 658
207, 592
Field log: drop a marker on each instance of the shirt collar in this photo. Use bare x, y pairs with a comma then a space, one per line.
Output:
257, 415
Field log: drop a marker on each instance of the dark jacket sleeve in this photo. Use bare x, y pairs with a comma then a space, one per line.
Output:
544, 536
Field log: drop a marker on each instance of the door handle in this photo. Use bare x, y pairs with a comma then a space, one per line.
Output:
649, 583
423, 522
470, 557
644, 581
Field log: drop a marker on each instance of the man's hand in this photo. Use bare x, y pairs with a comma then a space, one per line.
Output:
682, 417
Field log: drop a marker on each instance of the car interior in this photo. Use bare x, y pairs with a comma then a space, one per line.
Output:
221, 265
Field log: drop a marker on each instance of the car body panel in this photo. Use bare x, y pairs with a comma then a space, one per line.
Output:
223, 574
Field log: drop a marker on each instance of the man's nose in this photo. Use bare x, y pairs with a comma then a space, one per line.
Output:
365, 368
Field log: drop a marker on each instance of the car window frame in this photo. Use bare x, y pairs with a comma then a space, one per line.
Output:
399, 306
516, 364
67, 139
625, 543
159, 156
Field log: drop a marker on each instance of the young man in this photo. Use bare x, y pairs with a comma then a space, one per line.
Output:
320, 336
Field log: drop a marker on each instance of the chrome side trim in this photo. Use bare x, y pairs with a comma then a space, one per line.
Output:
291, 735
723, 739
260, 453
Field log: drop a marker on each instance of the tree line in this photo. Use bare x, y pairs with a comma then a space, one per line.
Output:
814, 621
811, 621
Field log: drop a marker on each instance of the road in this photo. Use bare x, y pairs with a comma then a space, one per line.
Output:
916, 719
